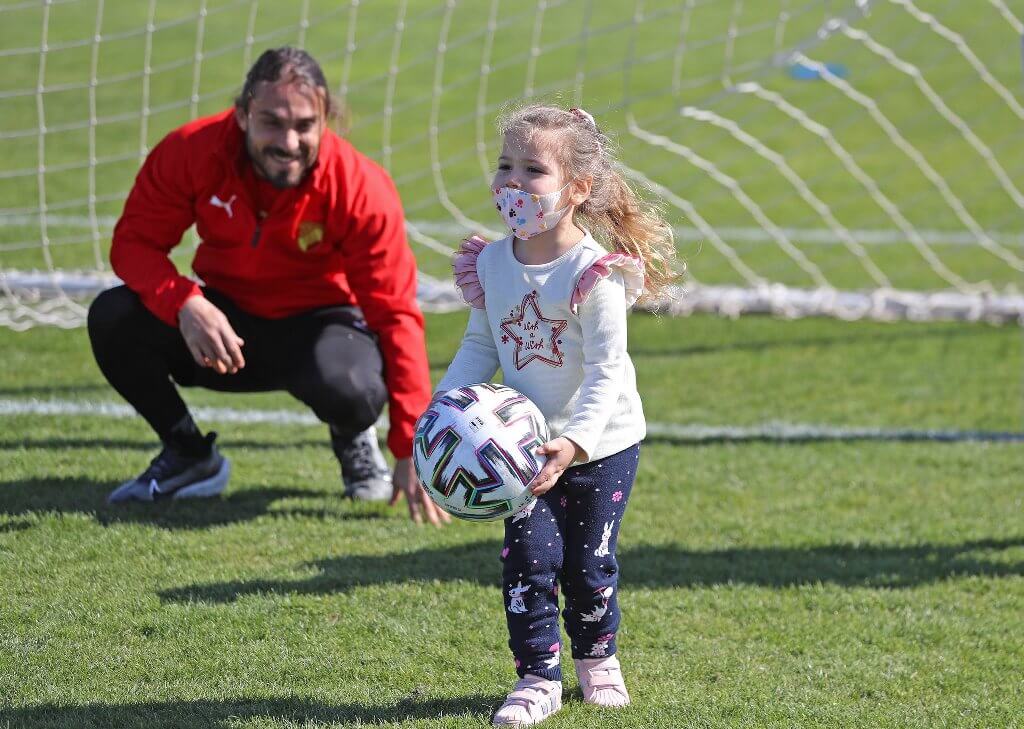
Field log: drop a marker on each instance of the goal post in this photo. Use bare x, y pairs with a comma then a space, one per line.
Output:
847, 158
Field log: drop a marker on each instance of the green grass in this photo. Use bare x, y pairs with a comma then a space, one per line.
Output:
815, 584
820, 583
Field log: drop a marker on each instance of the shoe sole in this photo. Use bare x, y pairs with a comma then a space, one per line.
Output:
373, 489
208, 487
528, 722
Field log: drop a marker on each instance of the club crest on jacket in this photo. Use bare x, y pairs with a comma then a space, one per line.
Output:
310, 234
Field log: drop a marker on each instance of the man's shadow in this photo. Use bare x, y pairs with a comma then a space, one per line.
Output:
652, 566
181, 714
67, 495
148, 446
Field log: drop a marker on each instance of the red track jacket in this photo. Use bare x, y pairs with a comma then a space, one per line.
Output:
337, 238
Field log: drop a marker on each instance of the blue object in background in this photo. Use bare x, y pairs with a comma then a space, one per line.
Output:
802, 72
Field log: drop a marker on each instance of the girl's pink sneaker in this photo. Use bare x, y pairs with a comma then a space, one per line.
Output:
532, 701
601, 681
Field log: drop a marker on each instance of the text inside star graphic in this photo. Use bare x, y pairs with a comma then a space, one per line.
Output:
535, 336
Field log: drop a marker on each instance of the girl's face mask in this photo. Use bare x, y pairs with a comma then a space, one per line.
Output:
527, 214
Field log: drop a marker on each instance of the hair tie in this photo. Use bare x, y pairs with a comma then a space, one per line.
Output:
585, 116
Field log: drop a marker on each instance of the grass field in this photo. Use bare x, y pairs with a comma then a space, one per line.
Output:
860, 576
800, 584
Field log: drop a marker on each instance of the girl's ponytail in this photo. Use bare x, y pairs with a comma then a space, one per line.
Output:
633, 227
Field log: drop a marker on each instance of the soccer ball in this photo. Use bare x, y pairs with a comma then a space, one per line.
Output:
474, 451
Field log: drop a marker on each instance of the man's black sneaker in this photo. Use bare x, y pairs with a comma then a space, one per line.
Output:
364, 470
175, 475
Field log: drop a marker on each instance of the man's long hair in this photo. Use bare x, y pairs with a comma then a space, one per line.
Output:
290, 64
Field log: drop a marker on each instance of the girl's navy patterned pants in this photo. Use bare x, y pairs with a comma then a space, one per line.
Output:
567, 538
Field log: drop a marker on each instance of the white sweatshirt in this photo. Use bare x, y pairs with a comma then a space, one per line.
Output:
566, 353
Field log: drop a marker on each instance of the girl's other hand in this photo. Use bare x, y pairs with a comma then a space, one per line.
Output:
561, 453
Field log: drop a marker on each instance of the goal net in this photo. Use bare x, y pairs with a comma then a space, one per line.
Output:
857, 158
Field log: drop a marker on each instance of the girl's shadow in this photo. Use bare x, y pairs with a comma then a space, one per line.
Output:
655, 566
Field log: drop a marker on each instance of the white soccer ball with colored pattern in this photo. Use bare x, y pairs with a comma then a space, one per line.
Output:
474, 451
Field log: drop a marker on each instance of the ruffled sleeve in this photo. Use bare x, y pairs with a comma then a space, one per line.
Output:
464, 268
631, 268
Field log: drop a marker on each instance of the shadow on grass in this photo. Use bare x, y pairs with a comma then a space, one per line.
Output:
152, 446
50, 391
232, 712
727, 435
15, 526
652, 566
847, 565
84, 496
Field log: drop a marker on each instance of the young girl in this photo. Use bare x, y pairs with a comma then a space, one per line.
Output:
549, 308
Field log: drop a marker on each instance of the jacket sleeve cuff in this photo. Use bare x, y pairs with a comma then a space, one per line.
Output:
584, 442
399, 442
166, 304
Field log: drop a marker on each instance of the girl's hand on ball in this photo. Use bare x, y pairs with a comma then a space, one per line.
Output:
561, 452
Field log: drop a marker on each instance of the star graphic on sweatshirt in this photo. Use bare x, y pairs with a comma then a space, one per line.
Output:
535, 336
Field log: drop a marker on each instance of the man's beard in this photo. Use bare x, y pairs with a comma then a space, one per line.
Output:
281, 179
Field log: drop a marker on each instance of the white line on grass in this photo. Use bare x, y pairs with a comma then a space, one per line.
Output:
693, 433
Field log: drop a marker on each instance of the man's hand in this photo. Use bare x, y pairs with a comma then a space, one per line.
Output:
209, 336
406, 482
561, 452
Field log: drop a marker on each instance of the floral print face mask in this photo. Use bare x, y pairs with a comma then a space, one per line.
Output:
527, 214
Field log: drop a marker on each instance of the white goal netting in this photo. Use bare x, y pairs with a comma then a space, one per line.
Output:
849, 158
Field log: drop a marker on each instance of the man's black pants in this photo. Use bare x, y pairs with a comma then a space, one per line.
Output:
326, 358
